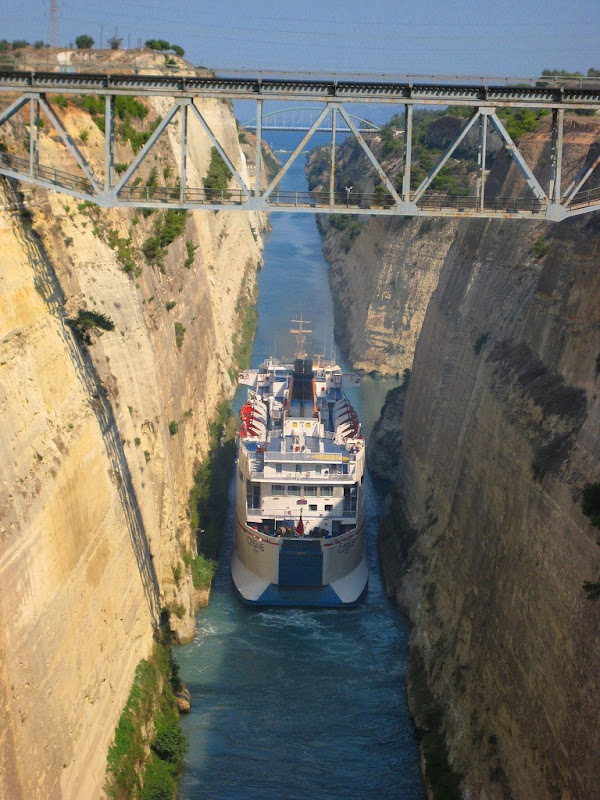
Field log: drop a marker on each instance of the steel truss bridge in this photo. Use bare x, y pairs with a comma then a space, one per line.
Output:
332, 98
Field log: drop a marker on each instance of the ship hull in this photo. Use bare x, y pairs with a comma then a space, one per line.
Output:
299, 572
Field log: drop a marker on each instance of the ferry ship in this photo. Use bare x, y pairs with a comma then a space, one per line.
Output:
299, 529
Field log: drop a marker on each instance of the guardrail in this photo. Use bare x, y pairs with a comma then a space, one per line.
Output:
58, 177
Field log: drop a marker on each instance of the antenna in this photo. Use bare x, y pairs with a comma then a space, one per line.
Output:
53, 26
300, 334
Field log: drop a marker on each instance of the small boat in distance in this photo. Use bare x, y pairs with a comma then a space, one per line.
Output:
299, 530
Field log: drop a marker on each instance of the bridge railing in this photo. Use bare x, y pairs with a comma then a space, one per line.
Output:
343, 202
58, 177
591, 197
175, 195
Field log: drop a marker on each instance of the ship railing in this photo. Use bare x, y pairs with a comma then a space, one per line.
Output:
348, 524
257, 468
325, 458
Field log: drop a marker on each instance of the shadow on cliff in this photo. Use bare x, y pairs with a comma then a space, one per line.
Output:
49, 288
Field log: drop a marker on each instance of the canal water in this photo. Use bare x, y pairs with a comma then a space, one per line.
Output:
294, 703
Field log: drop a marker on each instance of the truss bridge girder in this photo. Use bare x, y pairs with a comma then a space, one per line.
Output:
330, 100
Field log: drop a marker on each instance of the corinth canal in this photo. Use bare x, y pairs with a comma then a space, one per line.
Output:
299, 703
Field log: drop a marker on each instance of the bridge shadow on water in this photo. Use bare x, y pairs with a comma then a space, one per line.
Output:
296, 703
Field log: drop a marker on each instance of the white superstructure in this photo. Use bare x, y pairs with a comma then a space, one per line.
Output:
299, 529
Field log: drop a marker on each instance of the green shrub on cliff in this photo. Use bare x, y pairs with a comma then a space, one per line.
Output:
592, 590
170, 744
590, 502
208, 496
540, 247
217, 177
89, 320
148, 749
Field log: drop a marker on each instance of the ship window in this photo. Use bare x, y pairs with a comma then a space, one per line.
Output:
318, 469
328, 508
294, 491
350, 495
326, 491
312, 508
277, 488
253, 495
310, 491
278, 468
240, 476
298, 467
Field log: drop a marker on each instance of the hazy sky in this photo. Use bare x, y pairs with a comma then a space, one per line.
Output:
472, 37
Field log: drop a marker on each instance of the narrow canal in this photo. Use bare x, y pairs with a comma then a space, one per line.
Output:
296, 703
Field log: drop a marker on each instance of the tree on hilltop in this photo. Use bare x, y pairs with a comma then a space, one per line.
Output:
84, 42
157, 44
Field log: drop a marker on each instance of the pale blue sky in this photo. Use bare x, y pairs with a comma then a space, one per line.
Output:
472, 37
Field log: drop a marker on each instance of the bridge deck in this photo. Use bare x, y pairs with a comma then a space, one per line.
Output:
542, 92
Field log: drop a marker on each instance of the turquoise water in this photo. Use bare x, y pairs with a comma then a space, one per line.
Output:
300, 703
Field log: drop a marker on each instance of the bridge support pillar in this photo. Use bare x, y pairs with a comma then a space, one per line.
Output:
558, 118
332, 176
408, 124
109, 139
184, 140
259, 109
481, 157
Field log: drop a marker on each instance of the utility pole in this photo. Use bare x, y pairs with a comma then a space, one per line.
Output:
53, 27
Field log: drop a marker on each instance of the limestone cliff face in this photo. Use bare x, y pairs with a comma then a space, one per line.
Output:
499, 438
95, 481
382, 285
501, 431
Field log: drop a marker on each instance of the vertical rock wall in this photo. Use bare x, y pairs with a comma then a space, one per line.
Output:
95, 482
501, 432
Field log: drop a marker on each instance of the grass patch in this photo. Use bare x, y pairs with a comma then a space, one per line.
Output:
179, 334
191, 254
146, 757
244, 336
202, 569
350, 226
123, 249
540, 247
167, 228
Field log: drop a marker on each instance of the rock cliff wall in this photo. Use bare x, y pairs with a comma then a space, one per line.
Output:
99, 443
382, 284
501, 431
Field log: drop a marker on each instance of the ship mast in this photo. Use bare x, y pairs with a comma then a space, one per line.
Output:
300, 333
